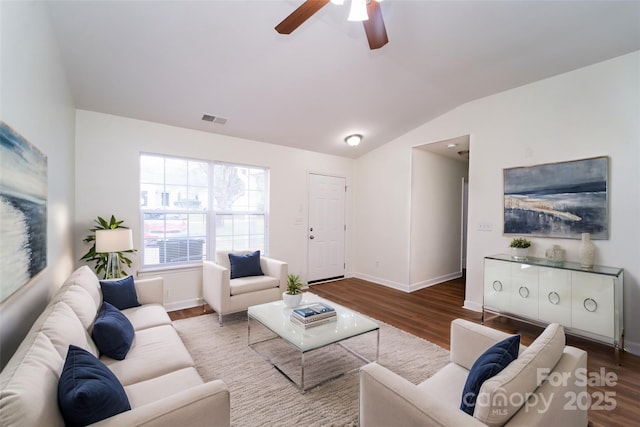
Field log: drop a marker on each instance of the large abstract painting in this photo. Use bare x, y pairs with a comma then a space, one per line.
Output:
23, 211
557, 199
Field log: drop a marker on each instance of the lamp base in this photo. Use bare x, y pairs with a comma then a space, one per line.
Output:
113, 266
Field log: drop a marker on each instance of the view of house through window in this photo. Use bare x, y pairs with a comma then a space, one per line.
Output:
190, 208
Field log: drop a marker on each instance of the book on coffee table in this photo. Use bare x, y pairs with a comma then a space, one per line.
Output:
312, 323
315, 309
313, 318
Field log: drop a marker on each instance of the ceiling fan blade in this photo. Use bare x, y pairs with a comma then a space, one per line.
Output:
298, 16
374, 26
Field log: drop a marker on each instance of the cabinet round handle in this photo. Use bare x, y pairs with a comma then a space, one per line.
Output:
524, 292
590, 304
497, 285
553, 298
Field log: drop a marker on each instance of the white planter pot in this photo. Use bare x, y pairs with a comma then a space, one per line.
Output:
291, 301
519, 254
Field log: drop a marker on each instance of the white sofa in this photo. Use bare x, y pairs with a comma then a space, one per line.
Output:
388, 399
226, 295
158, 373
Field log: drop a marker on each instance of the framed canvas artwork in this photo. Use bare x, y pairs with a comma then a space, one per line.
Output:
23, 211
558, 199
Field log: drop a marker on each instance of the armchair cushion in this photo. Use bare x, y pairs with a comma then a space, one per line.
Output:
120, 293
491, 362
245, 265
246, 285
520, 378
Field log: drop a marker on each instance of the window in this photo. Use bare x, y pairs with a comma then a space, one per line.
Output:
181, 198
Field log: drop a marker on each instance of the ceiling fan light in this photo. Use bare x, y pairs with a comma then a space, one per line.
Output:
353, 140
358, 11
338, 2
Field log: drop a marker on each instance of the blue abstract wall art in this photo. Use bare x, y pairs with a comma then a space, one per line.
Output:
23, 211
558, 199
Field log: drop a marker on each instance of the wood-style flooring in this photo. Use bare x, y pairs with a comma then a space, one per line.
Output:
428, 313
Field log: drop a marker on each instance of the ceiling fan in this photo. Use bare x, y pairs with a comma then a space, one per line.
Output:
367, 11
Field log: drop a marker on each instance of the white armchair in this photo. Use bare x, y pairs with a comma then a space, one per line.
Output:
226, 295
520, 395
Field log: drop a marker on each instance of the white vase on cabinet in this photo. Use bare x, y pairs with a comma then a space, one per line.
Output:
587, 251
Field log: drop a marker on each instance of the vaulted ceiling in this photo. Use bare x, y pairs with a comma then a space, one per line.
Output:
173, 61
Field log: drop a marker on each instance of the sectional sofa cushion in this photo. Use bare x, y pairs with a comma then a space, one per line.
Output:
491, 362
86, 279
245, 265
80, 301
88, 391
63, 327
29, 385
112, 332
147, 316
520, 378
120, 293
155, 352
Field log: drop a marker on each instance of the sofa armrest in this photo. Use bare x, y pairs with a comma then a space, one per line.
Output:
215, 284
275, 268
150, 290
387, 399
207, 404
469, 340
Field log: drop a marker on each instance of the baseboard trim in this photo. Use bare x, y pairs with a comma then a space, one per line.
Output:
388, 283
472, 305
181, 305
434, 281
632, 347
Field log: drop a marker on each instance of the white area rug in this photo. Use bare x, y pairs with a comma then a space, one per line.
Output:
262, 396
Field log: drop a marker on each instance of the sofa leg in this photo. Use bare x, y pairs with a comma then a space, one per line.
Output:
220, 319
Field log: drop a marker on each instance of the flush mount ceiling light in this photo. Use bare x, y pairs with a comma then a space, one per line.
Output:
353, 140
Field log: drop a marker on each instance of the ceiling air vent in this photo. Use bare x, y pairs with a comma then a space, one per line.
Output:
215, 119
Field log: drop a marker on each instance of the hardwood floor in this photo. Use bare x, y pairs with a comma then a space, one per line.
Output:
428, 313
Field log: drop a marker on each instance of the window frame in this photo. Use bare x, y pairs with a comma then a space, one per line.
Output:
209, 211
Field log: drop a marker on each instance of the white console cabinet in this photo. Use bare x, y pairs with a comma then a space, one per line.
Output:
587, 302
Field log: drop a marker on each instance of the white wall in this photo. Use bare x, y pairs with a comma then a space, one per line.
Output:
382, 211
107, 182
436, 218
36, 103
593, 111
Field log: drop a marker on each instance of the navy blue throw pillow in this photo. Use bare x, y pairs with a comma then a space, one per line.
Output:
112, 332
120, 293
245, 265
490, 363
88, 391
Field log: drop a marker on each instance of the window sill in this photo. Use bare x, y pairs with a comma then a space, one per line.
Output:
170, 268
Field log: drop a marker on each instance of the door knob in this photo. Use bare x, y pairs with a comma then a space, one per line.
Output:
312, 237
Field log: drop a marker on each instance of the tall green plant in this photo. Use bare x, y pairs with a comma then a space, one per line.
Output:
102, 258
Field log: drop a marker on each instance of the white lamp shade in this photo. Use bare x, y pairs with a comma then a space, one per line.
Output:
116, 240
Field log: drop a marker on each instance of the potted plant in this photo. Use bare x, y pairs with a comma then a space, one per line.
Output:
520, 248
293, 295
101, 259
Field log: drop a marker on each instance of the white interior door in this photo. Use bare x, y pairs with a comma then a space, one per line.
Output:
326, 231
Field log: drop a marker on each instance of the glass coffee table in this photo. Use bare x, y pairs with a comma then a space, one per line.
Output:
310, 357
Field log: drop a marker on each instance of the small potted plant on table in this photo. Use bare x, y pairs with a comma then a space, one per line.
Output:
520, 248
293, 295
